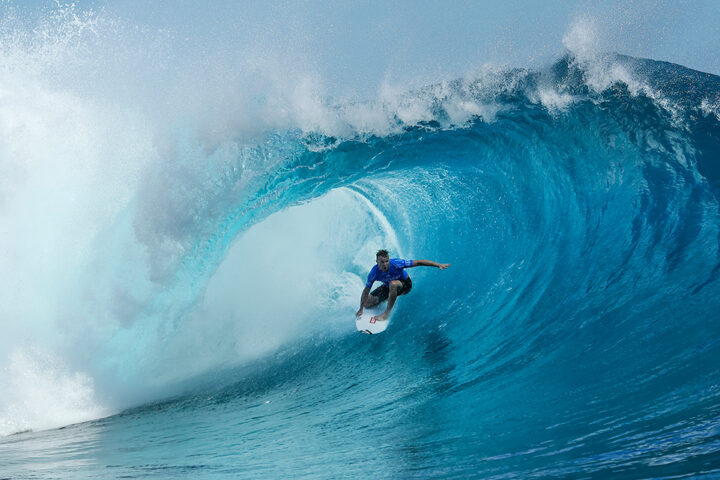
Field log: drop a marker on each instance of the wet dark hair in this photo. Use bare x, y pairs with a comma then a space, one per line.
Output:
382, 253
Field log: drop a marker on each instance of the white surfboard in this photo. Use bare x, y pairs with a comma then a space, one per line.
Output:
367, 324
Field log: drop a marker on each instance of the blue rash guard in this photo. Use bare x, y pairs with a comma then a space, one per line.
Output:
394, 272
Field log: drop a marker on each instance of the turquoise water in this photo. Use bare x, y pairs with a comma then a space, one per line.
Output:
199, 296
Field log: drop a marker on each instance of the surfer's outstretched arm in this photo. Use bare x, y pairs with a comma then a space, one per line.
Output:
430, 263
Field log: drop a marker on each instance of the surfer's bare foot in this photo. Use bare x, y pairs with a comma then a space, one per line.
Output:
382, 317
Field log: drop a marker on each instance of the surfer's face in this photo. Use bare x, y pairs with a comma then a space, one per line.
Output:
383, 263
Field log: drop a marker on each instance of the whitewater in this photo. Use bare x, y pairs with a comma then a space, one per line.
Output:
184, 245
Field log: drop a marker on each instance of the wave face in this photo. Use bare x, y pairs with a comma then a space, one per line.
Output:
575, 335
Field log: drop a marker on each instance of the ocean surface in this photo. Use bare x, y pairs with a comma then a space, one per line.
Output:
176, 308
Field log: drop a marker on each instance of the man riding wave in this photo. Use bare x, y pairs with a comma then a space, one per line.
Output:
396, 281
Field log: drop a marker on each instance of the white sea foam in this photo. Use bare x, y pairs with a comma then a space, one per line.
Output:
551, 99
710, 108
601, 71
40, 392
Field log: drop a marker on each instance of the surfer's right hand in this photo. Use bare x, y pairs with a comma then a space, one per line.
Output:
359, 313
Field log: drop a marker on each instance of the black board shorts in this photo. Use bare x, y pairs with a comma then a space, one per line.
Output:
383, 290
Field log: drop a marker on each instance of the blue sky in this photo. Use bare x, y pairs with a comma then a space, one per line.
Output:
452, 33
355, 45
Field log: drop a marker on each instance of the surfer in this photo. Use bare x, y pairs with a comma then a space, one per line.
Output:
396, 281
